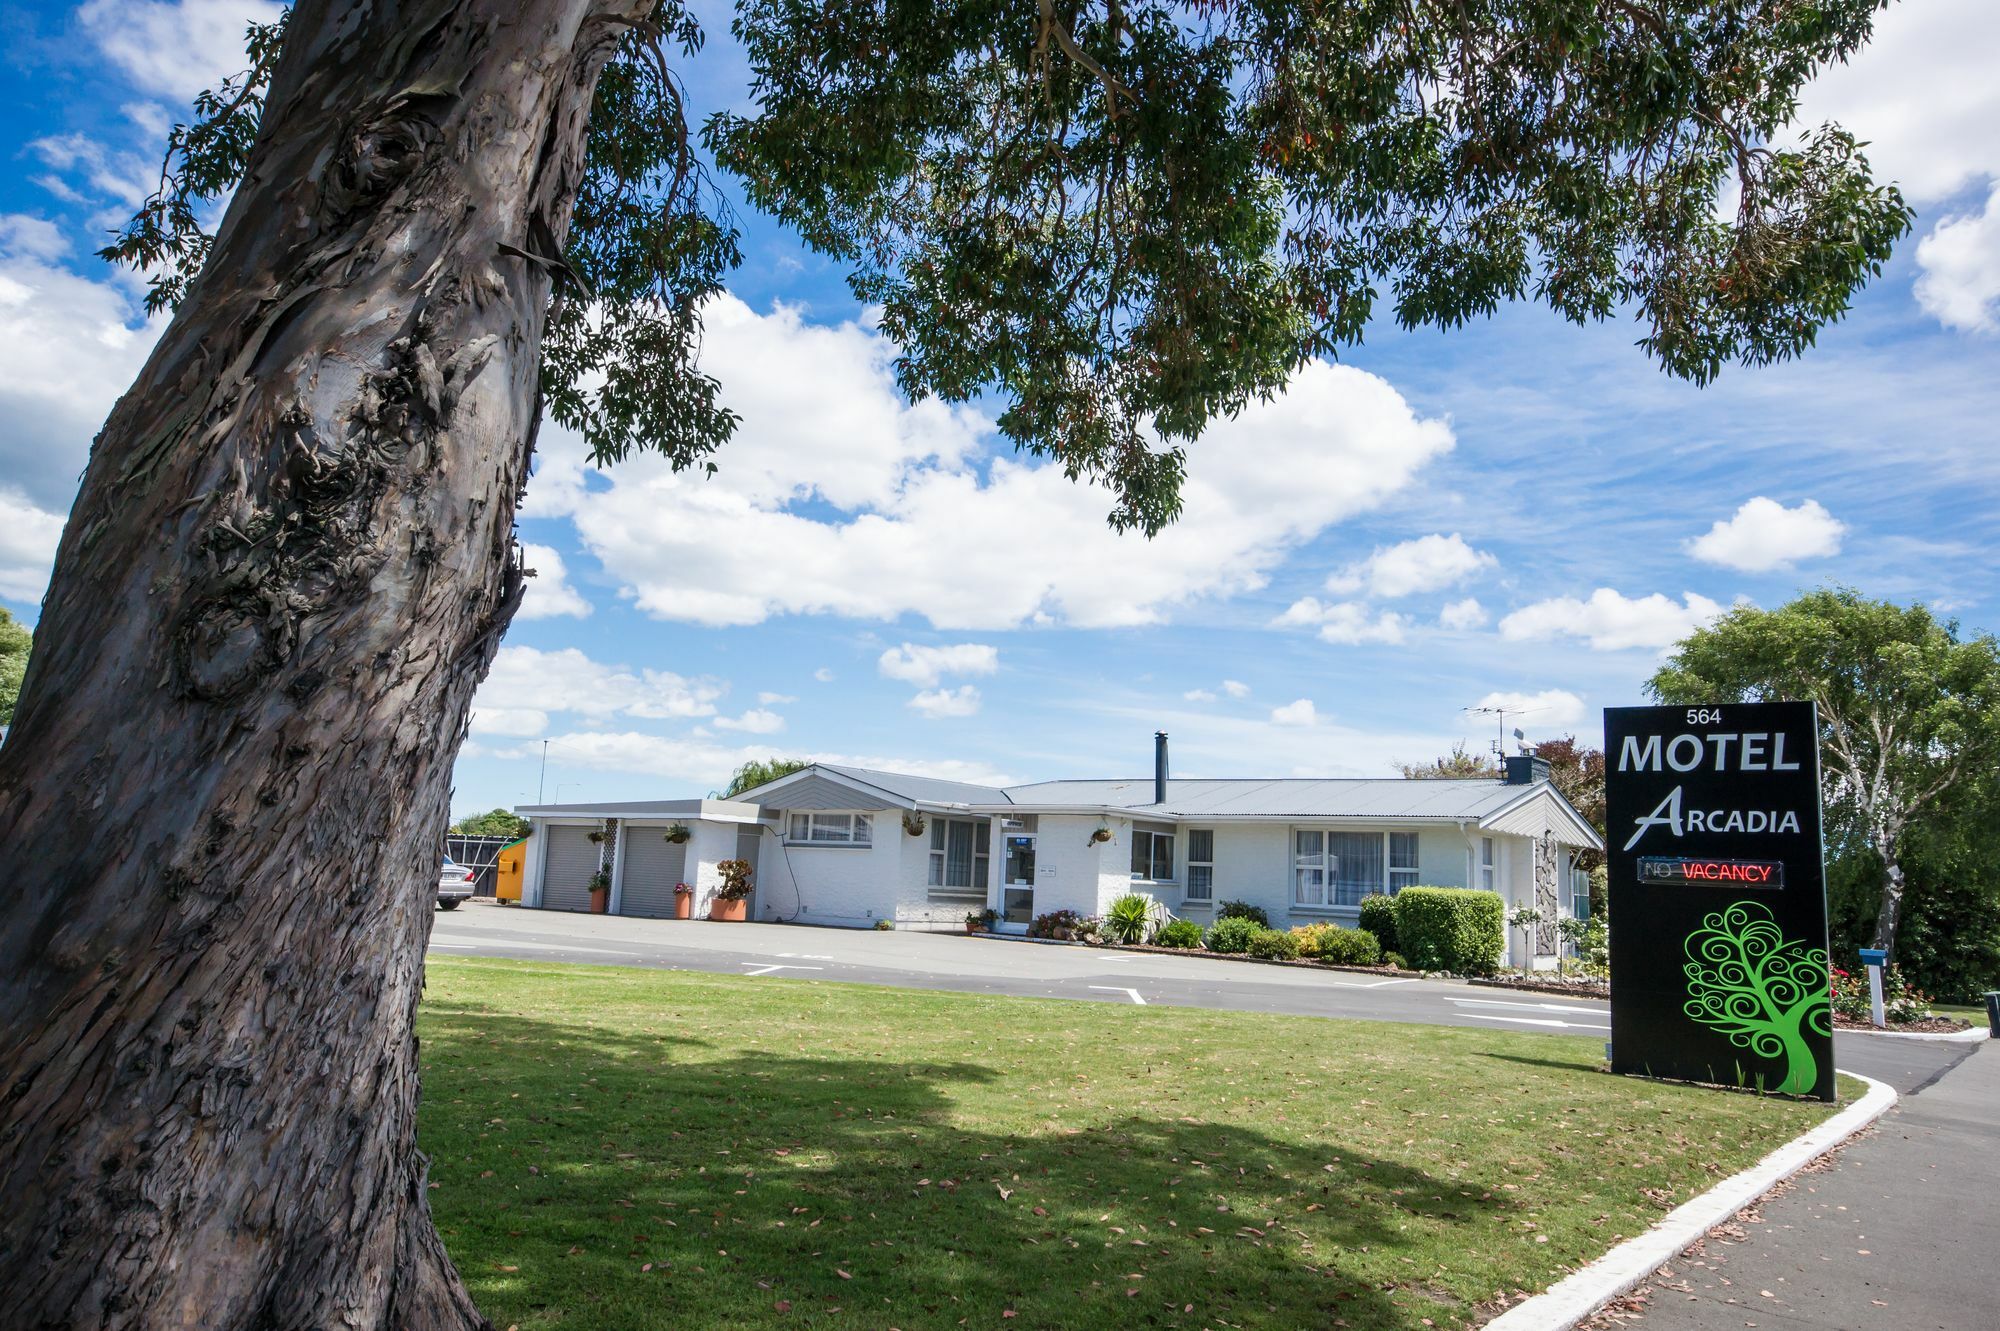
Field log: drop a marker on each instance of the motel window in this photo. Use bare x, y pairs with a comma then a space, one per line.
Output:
1488, 869
1152, 855
1340, 868
829, 829
960, 848
1200, 866
1403, 869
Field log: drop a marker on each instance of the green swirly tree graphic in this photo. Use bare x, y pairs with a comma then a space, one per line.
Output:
1765, 993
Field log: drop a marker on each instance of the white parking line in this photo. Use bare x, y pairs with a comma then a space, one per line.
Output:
1539, 1007
806, 956
547, 947
760, 968
1540, 1021
1114, 989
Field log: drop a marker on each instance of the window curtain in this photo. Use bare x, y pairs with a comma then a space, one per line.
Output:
1357, 867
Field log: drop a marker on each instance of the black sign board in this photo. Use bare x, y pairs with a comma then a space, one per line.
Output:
1717, 896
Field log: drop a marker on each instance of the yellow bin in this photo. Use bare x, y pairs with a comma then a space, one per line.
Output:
507, 870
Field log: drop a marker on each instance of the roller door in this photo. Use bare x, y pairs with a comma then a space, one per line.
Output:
566, 873
653, 865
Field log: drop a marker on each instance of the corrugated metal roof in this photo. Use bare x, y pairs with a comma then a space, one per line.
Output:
1391, 797
922, 789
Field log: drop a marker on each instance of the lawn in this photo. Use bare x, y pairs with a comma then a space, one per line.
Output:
623, 1149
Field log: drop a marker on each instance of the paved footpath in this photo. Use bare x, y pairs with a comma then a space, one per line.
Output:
1902, 1235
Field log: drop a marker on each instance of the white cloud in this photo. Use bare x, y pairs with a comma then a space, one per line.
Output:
549, 593
1235, 688
704, 764
1765, 535
1299, 713
526, 681
836, 496
174, 49
774, 699
1426, 564
509, 722
28, 538
1345, 623
1198, 695
924, 666
823, 675
1462, 615
1921, 94
1550, 707
1958, 265
935, 703
756, 721
1610, 621
70, 346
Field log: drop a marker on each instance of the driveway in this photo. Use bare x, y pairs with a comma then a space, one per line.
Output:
986, 965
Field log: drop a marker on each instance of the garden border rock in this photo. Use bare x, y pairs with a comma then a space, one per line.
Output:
1203, 954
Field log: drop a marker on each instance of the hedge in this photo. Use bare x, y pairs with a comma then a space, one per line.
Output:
1341, 947
1378, 917
1233, 934
1453, 929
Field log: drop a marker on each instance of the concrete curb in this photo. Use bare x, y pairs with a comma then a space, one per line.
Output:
1581, 1293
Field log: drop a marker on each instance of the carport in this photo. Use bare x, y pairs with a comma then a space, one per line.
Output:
648, 847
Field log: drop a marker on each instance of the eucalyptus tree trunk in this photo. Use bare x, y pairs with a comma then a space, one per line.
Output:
1889, 915
222, 801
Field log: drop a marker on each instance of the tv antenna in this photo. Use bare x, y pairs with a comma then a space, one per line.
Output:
1500, 715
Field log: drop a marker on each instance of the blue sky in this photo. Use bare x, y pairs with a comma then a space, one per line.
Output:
1520, 511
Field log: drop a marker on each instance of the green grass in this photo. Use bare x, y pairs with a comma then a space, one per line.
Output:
622, 1149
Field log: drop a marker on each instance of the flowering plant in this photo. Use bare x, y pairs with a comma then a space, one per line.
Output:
1901, 1002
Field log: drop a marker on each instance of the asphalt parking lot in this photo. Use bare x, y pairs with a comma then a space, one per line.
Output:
989, 965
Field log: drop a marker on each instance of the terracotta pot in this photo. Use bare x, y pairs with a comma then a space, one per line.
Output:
728, 910
600, 900
975, 928
683, 905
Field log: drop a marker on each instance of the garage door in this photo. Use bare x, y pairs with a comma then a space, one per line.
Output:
652, 866
566, 873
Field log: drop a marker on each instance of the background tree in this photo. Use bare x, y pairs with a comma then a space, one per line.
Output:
756, 773
494, 822
1909, 713
15, 642
291, 559
1765, 992
1461, 764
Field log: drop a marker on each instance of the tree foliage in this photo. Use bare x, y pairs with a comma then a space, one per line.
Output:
1765, 992
1461, 764
1909, 710
494, 822
15, 643
759, 772
1128, 219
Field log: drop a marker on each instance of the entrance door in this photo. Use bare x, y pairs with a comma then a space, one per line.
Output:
1017, 890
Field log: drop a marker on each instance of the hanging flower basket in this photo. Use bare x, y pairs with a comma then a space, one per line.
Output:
1100, 836
913, 823
678, 834
596, 838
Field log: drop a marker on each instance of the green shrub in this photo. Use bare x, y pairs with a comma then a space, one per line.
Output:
1450, 929
1274, 945
1128, 918
1378, 917
1309, 938
1242, 910
1395, 959
1233, 934
885, 925
1178, 933
1348, 947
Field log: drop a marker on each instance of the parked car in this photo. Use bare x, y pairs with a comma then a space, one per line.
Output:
454, 883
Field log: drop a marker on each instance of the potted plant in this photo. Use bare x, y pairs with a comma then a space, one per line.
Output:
732, 899
600, 892
678, 834
683, 901
595, 836
1100, 836
979, 921
913, 822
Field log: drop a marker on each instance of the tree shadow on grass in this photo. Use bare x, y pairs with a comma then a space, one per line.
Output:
588, 1178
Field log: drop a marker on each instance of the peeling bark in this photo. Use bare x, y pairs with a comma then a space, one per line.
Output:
223, 796
1889, 916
